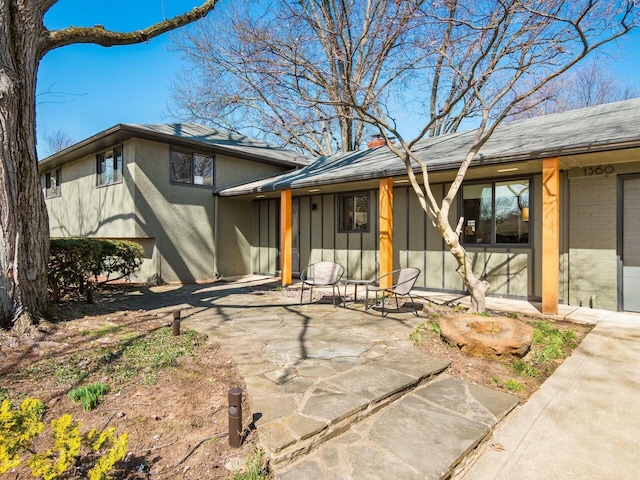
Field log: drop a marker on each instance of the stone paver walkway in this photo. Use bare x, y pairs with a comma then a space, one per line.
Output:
337, 392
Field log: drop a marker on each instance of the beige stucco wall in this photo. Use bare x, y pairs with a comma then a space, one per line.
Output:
84, 209
178, 217
234, 236
174, 223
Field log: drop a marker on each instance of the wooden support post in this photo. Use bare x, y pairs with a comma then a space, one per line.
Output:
385, 211
286, 238
550, 234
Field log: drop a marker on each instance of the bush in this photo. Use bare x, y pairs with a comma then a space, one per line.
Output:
20, 426
75, 264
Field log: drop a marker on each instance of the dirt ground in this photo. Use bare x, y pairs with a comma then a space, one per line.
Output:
177, 425
495, 372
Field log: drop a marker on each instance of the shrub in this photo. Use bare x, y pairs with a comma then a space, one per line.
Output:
20, 426
76, 263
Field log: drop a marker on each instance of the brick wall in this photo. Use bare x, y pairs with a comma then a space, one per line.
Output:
592, 242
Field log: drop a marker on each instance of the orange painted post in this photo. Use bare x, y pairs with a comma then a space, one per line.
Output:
386, 228
286, 242
550, 234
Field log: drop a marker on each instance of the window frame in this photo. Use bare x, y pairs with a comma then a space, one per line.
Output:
493, 224
341, 197
118, 166
192, 156
47, 183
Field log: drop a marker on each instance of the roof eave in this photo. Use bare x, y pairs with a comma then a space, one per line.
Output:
452, 166
121, 132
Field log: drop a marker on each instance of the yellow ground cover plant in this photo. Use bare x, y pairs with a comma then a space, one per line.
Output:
20, 426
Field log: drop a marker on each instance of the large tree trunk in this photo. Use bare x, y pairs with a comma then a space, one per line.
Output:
24, 239
477, 288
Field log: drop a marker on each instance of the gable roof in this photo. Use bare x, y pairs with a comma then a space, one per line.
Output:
600, 128
189, 135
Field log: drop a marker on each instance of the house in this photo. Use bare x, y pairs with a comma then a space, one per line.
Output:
550, 209
154, 184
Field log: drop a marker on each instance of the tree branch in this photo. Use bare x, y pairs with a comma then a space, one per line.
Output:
108, 38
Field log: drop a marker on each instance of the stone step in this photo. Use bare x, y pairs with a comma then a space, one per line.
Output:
422, 435
335, 403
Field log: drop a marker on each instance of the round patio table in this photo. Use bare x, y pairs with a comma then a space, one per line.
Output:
355, 284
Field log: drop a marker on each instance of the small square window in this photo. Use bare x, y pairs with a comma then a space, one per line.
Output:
52, 183
353, 215
109, 167
191, 168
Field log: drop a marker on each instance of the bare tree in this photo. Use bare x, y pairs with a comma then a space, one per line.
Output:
290, 71
57, 141
492, 57
589, 84
24, 231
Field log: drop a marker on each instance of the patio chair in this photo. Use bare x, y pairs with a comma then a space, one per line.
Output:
321, 274
406, 279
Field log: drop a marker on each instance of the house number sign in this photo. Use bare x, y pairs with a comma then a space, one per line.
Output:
591, 171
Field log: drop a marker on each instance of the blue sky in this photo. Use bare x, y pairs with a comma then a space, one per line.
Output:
84, 89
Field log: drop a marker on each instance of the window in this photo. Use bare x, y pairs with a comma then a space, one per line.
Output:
353, 215
52, 183
496, 212
191, 168
109, 167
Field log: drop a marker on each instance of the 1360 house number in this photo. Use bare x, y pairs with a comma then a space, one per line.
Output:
590, 171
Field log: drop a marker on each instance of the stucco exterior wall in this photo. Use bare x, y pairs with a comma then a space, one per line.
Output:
84, 209
178, 217
230, 171
174, 223
234, 237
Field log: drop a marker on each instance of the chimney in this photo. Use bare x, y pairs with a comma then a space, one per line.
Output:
377, 140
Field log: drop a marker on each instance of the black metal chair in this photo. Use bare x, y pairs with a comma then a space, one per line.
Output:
322, 274
406, 279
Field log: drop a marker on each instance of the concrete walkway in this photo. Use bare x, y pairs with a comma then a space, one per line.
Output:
584, 422
341, 393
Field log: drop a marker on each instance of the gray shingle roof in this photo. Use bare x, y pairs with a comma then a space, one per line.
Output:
231, 142
603, 127
186, 134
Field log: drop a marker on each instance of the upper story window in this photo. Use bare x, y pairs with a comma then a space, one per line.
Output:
353, 213
52, 183
496, 212
191, 168
109, 166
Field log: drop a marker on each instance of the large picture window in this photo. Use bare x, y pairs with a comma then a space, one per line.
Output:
496, 212
191, 168
109, 167
52, 183
353, 215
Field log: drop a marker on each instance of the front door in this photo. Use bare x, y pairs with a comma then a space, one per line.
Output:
630, 254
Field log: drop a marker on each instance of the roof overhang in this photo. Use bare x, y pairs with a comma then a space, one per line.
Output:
122, 132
